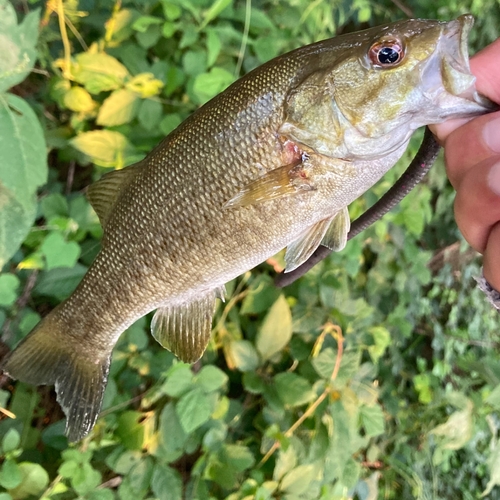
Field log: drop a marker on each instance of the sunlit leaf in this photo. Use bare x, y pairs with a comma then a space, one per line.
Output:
276, 330
120, 107
98, 72
107, 148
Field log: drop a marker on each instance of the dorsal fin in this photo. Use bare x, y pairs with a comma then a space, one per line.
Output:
104, 193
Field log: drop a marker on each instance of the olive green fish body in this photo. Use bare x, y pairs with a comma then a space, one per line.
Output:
272, 162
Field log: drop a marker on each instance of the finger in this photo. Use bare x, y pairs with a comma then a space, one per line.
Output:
469, 145
484, 66
477, 205
491, 261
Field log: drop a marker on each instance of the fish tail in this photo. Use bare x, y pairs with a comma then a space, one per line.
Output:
49, 355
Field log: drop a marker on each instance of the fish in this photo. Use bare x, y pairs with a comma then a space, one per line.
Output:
270, 163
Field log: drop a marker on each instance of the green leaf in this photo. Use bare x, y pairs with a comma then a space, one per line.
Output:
208, 85
17, 45
243, 355
150, 114
216, 8
287, 460
381, 339
171, 10
298, 480
130, 430
101, 494
214, 46
85, 479
10, 474
166, 483
54, 205
172, 435
23, 168
60, 282
456, 432
142, 23
494, 397
179, 380
351, 473
373, 420
193, 410
239, 457
9, 283
276, 329
150, 37
119, 108
34, 480
261, 295
106, 148
99, 72
68, 468
293, 389
169, 123
58, 252
140, 475
494, 469
210, 378
11, 440
253, 383
79, 100
324, 364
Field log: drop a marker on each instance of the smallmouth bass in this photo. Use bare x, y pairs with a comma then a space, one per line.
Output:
272, 162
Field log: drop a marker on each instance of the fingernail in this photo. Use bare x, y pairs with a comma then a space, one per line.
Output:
491, 135
494, 178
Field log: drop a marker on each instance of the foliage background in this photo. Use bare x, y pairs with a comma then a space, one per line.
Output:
374, 376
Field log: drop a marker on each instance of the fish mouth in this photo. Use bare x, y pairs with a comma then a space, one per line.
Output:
455, 74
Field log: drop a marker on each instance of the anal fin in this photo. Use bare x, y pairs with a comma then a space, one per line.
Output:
185, 329
282, 181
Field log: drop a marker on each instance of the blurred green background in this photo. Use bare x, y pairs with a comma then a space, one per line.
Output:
375, 376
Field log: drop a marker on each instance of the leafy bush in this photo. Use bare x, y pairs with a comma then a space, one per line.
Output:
374, 376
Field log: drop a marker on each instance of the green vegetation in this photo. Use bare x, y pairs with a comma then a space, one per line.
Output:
374, 376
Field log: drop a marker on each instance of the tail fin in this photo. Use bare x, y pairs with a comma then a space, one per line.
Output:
49, 356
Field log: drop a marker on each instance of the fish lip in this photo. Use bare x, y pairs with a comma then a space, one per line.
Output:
455, 31
455, 70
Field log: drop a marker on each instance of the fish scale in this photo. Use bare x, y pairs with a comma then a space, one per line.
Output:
272, 162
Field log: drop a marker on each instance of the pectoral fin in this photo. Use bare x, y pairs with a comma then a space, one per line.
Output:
336, 236
300, 250
185, 329
282, 181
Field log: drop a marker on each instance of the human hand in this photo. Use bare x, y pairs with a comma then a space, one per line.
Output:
472, 157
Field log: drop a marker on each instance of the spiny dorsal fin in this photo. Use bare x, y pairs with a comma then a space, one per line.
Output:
104, 193
336, 236
185, 329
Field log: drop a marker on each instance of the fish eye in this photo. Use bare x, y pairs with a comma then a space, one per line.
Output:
386, 53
